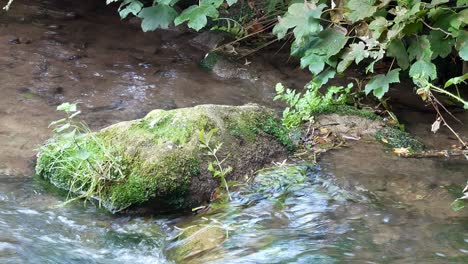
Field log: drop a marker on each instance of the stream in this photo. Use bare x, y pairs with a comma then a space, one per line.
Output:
360, 204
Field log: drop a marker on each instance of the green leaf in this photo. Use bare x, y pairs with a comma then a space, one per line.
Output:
397, 50
377, 26
62, 128
83, 154
441, 45
456, 80
449, 22
458, 204
356, 52
323, 77
57, 122
462, 44
331, 41
303, 17
462, 2
158, 16
130, 7
67, 107
420, 49
231, 2
438, 2
197, 16
360, 9
380, 84
423, 69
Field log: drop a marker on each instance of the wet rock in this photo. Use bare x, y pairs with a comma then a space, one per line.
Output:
350, 125
225, 68
14, 41
209, 39
157, 161
195, 240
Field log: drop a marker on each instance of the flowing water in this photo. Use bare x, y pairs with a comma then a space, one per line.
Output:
362, 205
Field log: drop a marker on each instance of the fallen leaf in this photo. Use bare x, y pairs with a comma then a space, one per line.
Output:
436, 125
401, 151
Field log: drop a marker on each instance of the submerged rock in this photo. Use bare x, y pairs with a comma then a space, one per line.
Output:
157, 161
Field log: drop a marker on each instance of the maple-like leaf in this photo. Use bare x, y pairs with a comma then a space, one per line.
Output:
380, 84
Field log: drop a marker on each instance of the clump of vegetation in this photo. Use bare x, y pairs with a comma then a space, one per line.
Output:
302, 107
216, 166
396, 138
76, 159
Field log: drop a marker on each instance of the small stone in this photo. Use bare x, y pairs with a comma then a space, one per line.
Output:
14, 41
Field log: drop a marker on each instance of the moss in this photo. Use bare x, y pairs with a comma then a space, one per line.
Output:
344, 110
210, 60
274, 127
396, 138
167, 178
248, 125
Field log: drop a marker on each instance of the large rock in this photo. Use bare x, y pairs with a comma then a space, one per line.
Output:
157, 161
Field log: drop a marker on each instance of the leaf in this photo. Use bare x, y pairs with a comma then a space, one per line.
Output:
438, 2
397, 50
449, 22
356, 52
62, 128
315, 62
197, 15
379, 84
436, 125
330, 42
456, 80
423, 69
441, 45
231, 2
279, 88
158, 16
377, 26
420, 49
458, 204
323, 77
401, 151
462, 44
67, 107
303, 17
130, 7
57, 122
360, 9
83, 154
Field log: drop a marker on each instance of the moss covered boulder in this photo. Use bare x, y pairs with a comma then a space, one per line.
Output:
157, 161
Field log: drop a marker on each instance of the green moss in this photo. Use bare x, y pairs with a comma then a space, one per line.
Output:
274, 127
210, 60
396, 138
247, 127
342, 109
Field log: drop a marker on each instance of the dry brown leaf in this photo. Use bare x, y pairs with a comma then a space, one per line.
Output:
401, 151
436, 125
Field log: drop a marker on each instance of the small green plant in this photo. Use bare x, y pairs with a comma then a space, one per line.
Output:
302, 107
216, 167
75, 159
